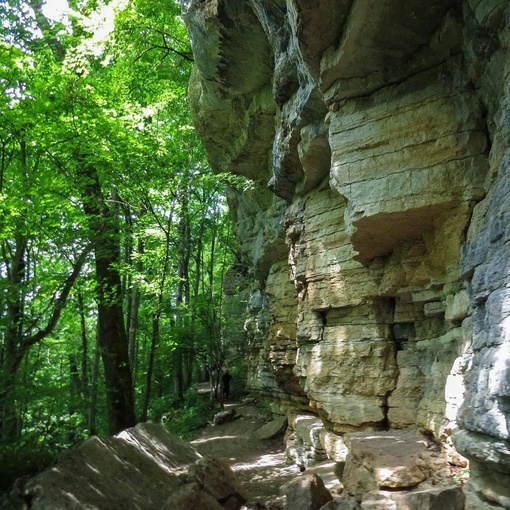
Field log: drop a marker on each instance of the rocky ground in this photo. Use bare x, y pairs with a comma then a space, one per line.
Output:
146, 467
389, 469
260, 465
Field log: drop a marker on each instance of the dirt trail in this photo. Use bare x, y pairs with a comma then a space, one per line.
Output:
259, 465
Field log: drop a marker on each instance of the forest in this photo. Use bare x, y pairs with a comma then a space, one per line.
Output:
115, 236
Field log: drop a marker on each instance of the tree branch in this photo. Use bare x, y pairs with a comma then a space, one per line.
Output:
186, 55
46, 29
60, 300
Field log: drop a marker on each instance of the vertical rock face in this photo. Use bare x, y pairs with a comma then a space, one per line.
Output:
377, 232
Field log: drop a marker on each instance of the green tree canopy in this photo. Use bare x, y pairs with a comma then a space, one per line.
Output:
114, 234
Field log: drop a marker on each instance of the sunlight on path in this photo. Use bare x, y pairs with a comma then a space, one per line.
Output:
259, 465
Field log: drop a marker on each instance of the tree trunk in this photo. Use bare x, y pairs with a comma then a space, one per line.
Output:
178, 375
93, 392
84, 379
8, 411
188, 368
112, 336
150, 366
183, 289
133, 316
119, 386
75, 390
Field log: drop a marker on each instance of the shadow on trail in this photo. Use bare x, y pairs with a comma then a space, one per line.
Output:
260, 465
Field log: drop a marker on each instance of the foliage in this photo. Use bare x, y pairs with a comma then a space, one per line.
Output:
23, 458
184, 419
98, 159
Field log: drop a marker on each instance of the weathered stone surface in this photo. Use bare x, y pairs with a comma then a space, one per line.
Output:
384, 129
224, 416
306, 493
383, 460
486, 411
457, 306
271, 333
474, 502
304, 445
191, 496
443, 498
231, 128
489, 465
351, 389
258, 216
430, 384
483, 448
334, 446
216, 478
140, 469
367, 59
343, 502
272, 429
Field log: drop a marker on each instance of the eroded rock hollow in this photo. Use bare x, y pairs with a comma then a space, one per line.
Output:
376, 236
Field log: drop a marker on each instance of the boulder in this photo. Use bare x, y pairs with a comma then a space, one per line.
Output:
442, 498
224, 416
304, 444
191, 496
142, 468
475, 502
343, 502
384, 460
216, 478
272, 429
306, 493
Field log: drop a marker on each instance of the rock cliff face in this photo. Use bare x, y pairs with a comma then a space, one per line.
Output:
377, 235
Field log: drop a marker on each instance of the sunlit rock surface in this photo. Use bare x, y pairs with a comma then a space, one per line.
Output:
142, 468
376, 236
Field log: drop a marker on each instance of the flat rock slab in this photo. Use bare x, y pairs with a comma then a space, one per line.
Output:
224, 416
442, 498
272, 429
384, 460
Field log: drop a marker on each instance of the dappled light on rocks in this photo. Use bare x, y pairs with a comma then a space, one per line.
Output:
375, 242
260, 465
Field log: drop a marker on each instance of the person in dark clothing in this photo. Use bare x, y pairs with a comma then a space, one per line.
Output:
226, 383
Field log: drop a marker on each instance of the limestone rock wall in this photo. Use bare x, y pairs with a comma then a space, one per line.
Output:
376, 236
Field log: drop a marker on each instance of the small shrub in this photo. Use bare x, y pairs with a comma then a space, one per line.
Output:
183, 419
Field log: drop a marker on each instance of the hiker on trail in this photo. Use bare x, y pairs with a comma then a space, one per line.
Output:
226, 383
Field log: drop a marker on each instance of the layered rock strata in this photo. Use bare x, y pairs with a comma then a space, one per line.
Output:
376, 235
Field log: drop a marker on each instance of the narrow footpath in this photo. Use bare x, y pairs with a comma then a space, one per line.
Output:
260, 465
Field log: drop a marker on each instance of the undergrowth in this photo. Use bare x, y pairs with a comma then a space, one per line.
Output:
23, 459
184, 419
36, 450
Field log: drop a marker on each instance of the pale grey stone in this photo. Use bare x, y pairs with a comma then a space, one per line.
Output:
307, 492
272, 429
